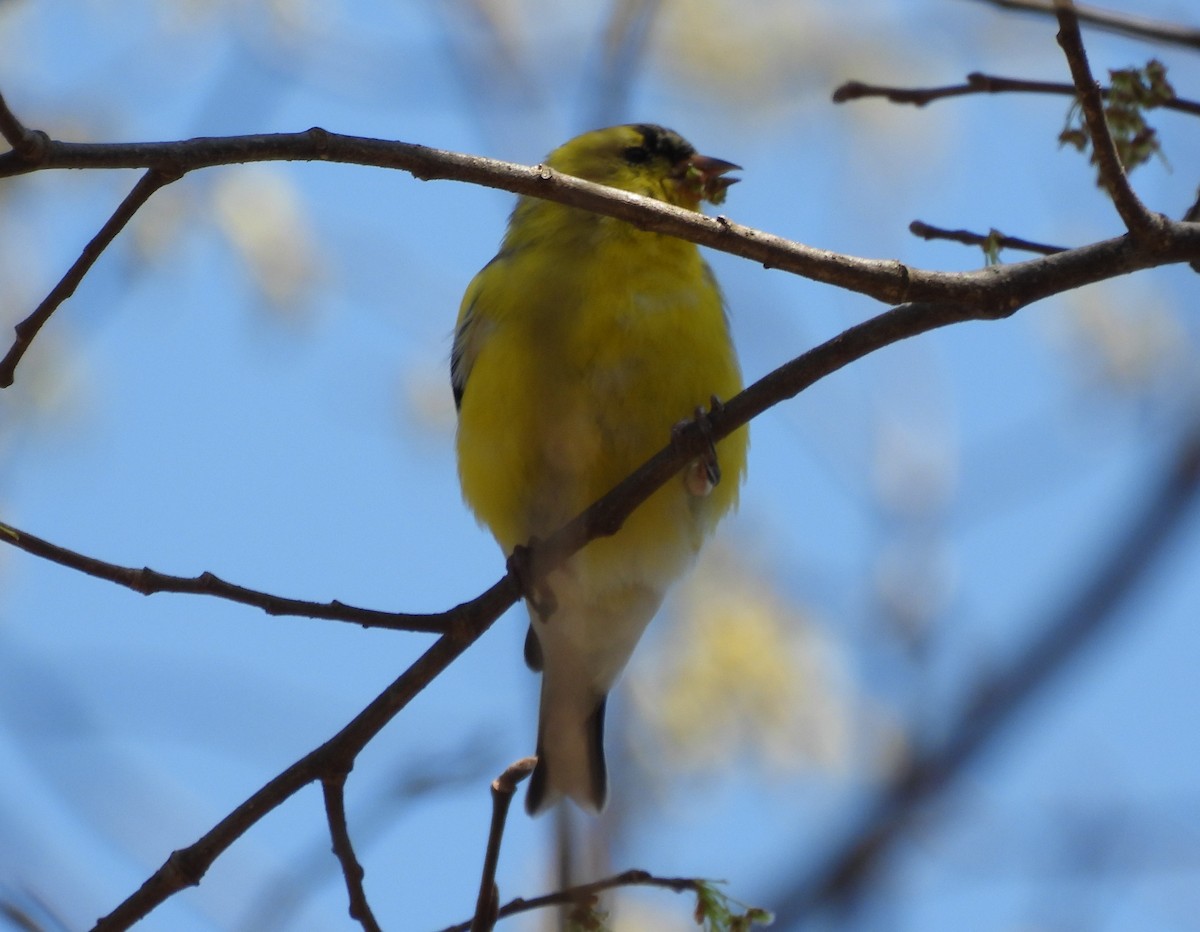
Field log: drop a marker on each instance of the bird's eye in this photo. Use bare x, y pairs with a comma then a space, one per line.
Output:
636, 154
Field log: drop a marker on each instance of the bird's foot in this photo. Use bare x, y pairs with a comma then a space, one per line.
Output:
533, 586
702, 474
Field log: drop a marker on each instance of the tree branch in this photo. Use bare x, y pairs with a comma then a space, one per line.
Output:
1141, 223
410, 780
1139, 27
992, 239
27, 329
148, 581
333, 788
503, 788
187, 866
885, 280
979, 83
588, 891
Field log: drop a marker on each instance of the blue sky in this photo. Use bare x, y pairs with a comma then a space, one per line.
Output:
911, 518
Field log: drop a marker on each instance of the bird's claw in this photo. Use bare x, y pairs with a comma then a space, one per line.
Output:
533, 587
702, 474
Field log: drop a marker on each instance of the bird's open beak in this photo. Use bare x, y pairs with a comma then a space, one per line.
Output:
707, 178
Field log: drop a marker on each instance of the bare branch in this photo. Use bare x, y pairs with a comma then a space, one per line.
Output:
187, 866
333, 788
148, 581
1141, 223
883, 280
979, 83
588, 891
1140, 27
888, 281
986, 240
976, 83
413, 778
503, 788
27, 329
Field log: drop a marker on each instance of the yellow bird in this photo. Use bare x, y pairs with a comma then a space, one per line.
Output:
578, 348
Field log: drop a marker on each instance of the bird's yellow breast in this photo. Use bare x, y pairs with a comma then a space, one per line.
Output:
584, 352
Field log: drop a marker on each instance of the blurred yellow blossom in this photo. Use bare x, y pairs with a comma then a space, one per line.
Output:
743, 672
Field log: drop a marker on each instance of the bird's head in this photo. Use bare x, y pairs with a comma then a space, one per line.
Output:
645, 159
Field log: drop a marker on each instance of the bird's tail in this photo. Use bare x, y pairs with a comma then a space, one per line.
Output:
580, 650
570, 748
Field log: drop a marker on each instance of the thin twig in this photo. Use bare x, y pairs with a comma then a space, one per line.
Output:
588, 891
412, 779
968, 238
148, 581
503, 788
1140, 222
1139, 27
333, 788
27, 329
976, 83
979, 83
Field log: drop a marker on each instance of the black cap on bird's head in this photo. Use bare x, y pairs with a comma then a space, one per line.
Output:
701, 175
648, 159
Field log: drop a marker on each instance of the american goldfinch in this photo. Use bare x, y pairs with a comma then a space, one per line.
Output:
578, 348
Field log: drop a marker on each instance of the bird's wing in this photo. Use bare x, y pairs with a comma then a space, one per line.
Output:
462, 354
469, 332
